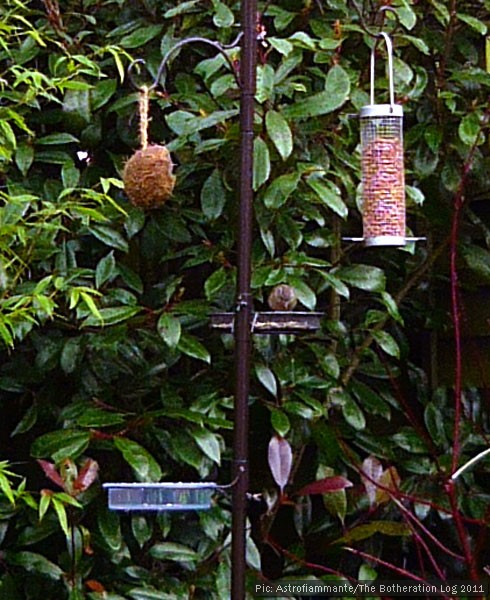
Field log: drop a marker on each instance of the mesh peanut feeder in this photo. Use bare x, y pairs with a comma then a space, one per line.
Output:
383, 177
147, 176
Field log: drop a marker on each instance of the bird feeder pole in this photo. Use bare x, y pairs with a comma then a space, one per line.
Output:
244, 299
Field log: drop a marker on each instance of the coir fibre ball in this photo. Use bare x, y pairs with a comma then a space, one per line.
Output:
147, 176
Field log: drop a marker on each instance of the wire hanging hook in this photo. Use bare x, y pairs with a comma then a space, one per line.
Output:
389, 49
221, 48
380, 17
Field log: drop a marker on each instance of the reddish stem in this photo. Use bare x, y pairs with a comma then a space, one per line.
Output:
306, 563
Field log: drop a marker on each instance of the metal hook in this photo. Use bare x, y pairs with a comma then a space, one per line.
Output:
221, 48
380, 14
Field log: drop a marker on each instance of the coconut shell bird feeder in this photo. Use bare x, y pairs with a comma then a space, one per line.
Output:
382, 164
147, 176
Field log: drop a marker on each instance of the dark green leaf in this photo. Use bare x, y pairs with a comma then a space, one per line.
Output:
24, 157
280, 422
27, 422
280, 133
208, 442
353, 414
266, 378
365, 277
141, 36
330, 195
387, 343
169, 329
184, 7
337, 89
56, 139
410, 441
110, 237
261, 165
478, 260
191, 346
34, 563
223, 16
265, 83
71, 354
93, 417
215, 282
110, 529
70, 175
65, 443
144, 466
106, 269
470, 128
111, 316
280, 190
434, 421
173, 551
102, 93
213, 196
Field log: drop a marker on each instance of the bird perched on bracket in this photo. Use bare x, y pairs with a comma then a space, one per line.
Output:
282, 297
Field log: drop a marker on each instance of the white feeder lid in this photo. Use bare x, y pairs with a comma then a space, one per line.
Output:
381, 110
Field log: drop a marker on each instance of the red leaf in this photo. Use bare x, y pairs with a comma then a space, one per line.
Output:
51, 472
95, 586
280, 460
325, 486
86, 476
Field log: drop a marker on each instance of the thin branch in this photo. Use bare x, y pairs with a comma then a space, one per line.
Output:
369, 339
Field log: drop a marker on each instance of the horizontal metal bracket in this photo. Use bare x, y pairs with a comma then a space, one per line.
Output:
273, 322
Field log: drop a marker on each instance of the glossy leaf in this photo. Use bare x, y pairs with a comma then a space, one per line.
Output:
365, 277
64, 443
266, 378
111, 316
261, 163
280, 133
144, 466
280, 190
329, 195
208, 442
213, 196
337, 88
353, 414
192, 347
170, 329
33, 562
280, 422
173, 551
387, 343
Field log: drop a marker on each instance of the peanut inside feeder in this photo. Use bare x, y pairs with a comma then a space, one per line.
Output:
382, 165
147, 176
383, 179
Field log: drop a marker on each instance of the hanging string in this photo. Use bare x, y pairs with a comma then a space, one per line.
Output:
144, 106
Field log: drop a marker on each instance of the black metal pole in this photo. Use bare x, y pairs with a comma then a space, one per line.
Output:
244, 300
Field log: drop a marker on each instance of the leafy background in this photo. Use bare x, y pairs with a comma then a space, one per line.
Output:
110, 371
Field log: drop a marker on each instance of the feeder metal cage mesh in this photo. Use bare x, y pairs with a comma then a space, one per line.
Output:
383, 179
382, 168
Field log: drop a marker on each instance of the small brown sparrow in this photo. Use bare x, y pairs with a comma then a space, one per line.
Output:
282, 297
